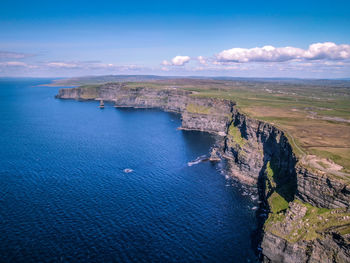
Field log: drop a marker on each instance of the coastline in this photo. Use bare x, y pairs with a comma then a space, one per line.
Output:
250, 147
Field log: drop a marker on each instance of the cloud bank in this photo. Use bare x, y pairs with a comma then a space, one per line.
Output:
317, 51
318, 60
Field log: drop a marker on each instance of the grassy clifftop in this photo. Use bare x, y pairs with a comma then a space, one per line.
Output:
195, 108
306, 222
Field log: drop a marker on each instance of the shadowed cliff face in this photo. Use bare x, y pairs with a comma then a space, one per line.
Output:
251, 144
257, 153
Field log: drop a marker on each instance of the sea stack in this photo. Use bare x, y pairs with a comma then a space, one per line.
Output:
102, 105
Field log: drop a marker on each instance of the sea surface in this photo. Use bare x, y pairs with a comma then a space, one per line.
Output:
65, 195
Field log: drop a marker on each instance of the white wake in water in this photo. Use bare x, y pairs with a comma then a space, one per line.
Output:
198, 160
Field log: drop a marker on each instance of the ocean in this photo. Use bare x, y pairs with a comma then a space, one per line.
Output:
81, 184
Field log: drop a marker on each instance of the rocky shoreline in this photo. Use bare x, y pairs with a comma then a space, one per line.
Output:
257, 153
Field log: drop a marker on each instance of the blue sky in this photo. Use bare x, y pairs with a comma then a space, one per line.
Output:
211, 38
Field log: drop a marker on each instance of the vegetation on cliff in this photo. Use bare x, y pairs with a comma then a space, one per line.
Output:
278, 190
89, 91
195, 108
293, 220
305, 222
236, 135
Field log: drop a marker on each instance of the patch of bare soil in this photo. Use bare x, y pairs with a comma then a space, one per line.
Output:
324, 165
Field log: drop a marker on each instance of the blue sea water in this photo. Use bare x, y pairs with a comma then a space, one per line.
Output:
65, 197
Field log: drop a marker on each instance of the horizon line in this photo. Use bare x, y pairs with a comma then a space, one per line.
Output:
170, 76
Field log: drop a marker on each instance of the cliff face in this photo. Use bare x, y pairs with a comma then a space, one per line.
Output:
256, 153
210, 115
250, 144
321, 190
332, 248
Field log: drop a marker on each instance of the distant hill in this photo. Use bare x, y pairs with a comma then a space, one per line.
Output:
86, 80
77, 81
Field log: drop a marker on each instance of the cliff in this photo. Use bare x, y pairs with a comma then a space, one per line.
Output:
257, 153
211, 115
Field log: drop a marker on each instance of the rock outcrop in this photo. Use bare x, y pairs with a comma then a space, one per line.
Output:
257, 153
322, 190
332, 248
284, 242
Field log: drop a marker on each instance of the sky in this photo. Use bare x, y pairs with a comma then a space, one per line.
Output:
302, 39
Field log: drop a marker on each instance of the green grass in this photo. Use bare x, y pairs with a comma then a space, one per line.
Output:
277, 203
270, 174
90, 86
140, 85
89, 92
315, 221
345, 230
199, 109
236, 135
339, 156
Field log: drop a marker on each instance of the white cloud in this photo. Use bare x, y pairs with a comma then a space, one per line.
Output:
177, 61
17, 65
61, 65
328, 50
14, 64
202, 60
166, 63
180, 60
317, 51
